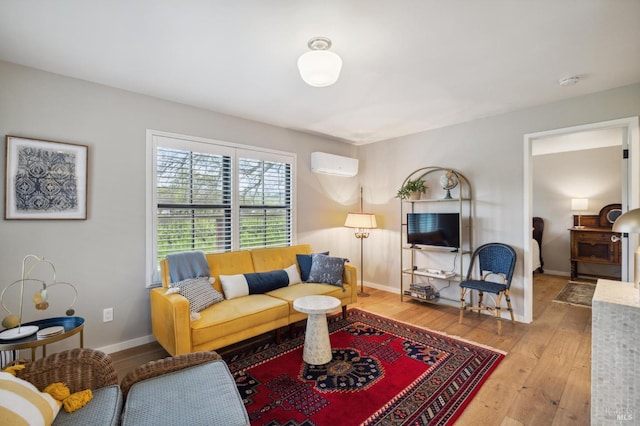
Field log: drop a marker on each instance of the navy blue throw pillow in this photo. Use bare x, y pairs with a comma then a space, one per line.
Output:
304, 262
262, 282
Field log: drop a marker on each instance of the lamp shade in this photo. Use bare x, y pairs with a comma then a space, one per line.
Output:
319, 67
628, 222
361, 220
579, 204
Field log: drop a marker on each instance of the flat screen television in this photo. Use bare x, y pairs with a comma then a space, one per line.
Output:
433, 229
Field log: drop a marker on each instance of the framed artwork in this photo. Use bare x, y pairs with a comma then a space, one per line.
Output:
45, 180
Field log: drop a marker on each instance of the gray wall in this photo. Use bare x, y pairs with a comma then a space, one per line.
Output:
595, 174
490, 153
104, 256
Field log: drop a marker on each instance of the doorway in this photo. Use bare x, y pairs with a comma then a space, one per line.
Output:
627, 131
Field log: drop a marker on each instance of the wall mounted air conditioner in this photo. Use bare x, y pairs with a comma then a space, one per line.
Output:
336, 165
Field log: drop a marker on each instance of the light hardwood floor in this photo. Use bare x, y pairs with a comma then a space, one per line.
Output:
543, 380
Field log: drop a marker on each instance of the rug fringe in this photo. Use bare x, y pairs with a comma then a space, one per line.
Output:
441, 333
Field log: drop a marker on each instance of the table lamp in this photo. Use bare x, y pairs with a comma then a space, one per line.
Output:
362, 223
579, 205
630, 222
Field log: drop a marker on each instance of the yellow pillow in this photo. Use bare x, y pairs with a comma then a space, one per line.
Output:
21, 403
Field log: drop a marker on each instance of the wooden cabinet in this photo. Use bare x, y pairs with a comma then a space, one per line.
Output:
595, 243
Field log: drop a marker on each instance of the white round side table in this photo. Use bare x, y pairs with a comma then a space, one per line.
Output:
317, 348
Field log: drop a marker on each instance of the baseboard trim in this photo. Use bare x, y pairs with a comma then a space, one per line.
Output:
381, 287
128, 344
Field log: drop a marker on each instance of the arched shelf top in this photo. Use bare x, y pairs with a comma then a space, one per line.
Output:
431, 175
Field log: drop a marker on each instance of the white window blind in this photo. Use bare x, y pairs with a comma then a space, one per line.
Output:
214, 197
194, 201
265, 203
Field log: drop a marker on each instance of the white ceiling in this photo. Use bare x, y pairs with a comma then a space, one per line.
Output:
408, 66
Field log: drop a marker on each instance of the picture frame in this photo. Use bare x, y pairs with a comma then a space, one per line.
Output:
45, 179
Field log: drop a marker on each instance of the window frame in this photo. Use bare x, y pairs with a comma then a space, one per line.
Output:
157, 139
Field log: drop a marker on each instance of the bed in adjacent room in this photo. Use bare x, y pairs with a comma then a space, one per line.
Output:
536, 245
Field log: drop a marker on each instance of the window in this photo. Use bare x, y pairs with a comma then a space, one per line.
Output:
214, 197
265, 203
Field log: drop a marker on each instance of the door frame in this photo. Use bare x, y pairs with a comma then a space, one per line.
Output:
631, 129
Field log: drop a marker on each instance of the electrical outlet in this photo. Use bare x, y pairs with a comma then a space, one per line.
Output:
107, 315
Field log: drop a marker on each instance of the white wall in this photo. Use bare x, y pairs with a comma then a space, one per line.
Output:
104, 256
595, 174
490, 153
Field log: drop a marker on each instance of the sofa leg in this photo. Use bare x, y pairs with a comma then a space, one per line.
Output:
278, 336
344, 312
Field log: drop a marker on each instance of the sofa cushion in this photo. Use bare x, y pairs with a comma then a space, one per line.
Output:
199, 292
23, 403
234, 317
291, 293
229, 263
205, 394
274, 258
304, 263
326, 269
103, 409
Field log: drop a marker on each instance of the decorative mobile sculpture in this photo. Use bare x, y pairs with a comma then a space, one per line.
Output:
40, 298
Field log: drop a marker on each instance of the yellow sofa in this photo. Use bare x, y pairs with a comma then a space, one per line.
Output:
237, 319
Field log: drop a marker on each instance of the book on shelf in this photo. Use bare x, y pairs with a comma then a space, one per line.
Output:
425, 292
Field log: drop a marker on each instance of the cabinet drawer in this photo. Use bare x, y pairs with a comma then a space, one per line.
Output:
593, 237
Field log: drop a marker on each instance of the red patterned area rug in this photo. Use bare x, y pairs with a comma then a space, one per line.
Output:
383, 372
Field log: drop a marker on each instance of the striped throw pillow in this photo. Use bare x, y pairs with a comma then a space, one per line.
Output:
199, 292
21, 403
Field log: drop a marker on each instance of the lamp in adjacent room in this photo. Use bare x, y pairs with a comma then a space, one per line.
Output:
362, 223
319, 67
629, 222
579, 205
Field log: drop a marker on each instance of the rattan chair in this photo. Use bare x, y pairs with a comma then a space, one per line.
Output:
79, 369
163, 366
496, 263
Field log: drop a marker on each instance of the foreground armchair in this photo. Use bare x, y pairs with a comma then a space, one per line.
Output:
80, 369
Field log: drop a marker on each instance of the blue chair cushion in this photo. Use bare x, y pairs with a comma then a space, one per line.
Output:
205, 394
103, 409
482, 285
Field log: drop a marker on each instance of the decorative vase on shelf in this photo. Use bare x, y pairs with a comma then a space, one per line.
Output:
415, 195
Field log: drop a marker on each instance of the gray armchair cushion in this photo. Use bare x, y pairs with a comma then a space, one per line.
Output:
202, 395
103, 409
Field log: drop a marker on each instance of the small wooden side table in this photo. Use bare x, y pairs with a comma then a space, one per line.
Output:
72, 325
317, 347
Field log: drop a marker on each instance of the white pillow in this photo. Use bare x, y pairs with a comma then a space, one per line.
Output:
294, 275
234, 286
22, 403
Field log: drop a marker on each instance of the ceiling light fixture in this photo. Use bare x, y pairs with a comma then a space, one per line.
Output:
569, 81
319, 67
